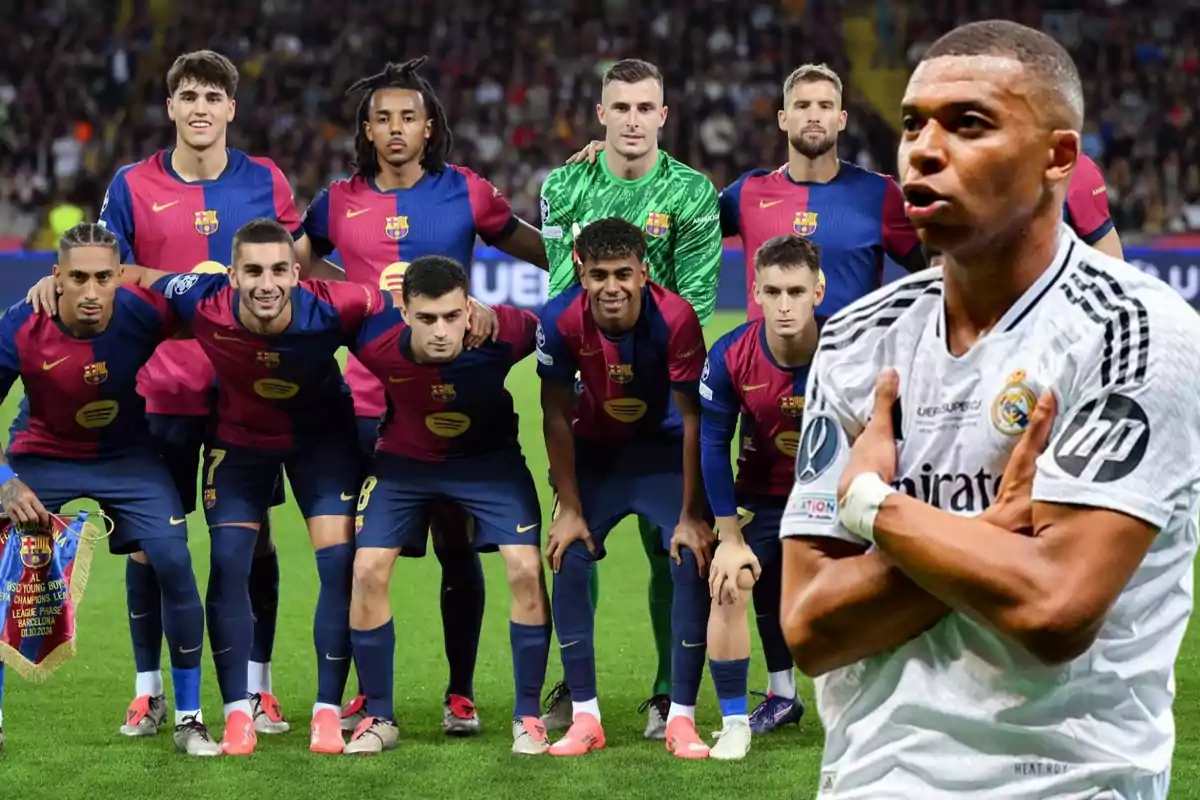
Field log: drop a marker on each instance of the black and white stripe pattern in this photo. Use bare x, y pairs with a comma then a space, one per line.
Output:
1124, 319
845, 328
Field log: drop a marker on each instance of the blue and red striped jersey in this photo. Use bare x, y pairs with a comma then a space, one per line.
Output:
377, 233
164, 222
274, 389
81, 399
438, 412
1086, 207
856, 219
627, 380
742, 377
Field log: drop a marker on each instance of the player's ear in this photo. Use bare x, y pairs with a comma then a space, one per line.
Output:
781, 118
600, 112
1064, 153
842, 121
754, 292
819, 290
428, 129
232, 110
663, 121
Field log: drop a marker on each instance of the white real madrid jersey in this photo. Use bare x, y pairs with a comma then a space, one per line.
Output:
962, 711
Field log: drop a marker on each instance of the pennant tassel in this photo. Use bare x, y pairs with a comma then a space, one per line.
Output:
43, 575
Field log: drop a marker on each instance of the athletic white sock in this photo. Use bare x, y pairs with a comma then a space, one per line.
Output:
782, 683
1, 718
179, 716
148, 683
681, 711
258, 677
586, 707
318, 706
239, 705
732, 718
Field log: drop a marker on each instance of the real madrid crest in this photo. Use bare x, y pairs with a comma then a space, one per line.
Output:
1013, 406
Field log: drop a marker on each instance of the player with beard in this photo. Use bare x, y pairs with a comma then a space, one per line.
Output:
961, 652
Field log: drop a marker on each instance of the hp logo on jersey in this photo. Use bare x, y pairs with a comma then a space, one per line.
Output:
818, 448
1104, 442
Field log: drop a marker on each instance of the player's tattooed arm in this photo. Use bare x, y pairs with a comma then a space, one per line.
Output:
17, 501
525, 243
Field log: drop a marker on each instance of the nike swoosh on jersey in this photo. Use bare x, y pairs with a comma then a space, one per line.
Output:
354, 212
345, 496
49, 365
394, 379
177, 521
221, 338
164, 206
523, 528
755, 387
587, 353
765, 204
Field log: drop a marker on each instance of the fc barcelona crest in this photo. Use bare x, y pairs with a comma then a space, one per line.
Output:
396, 227
620, 373
658, 224
443, 392
267, 358
96, 373
791, 405
206, 222
805, 223
36, 550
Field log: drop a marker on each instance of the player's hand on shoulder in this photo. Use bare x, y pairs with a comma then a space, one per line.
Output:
588, 153
696, 535
1013, 509
733, 564
482, 324
875, 448
20, 504
566, 529
43, 296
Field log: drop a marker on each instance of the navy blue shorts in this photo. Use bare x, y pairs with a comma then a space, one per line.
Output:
240, 483
135, 491
641, 478
179, 440
760, 517
495, 488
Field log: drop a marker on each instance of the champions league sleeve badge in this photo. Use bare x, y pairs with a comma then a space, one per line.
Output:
43, 572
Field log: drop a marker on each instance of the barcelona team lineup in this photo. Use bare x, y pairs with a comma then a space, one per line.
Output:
192, 331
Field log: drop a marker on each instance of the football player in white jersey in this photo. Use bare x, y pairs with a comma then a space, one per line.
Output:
958, 657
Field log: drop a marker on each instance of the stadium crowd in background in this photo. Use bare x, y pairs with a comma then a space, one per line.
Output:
81, 90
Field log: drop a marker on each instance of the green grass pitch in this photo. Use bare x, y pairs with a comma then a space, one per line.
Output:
62, 738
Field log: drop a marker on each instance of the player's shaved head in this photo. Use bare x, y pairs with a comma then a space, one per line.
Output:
610, 239
434, 277
1057, 88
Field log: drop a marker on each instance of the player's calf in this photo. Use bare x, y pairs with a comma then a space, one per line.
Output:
575, 625
729, 665
373, 635
529, 634
331, 537
689, 627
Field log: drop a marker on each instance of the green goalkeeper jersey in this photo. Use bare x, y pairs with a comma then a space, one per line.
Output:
674, 205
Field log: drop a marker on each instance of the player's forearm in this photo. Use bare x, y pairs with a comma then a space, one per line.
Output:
133, 275
322, 270
855, 608
525, 243
693, 481
971, 564
560, 450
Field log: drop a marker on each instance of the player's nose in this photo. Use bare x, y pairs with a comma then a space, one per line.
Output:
926, 154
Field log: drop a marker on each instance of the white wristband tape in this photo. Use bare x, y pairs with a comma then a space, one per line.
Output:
861, 504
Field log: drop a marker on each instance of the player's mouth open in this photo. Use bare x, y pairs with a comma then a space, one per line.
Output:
922, 202
200, 124
612, 303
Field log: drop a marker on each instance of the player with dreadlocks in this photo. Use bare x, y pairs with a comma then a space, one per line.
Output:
405, 201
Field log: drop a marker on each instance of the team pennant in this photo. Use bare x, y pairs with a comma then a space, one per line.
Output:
43, 572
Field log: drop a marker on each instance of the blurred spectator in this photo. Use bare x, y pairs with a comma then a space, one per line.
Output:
82, 90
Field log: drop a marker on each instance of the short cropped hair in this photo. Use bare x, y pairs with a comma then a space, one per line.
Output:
433, 277
608, 239
1042, 57
205, 67
261, 231
88, 234
788, 251
811, 73
632, 70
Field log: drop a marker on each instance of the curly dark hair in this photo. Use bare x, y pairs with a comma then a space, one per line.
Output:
400, 76
610, 238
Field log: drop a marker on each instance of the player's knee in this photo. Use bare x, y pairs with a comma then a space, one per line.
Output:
372, 571
172, 562
524, 566
729, 610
